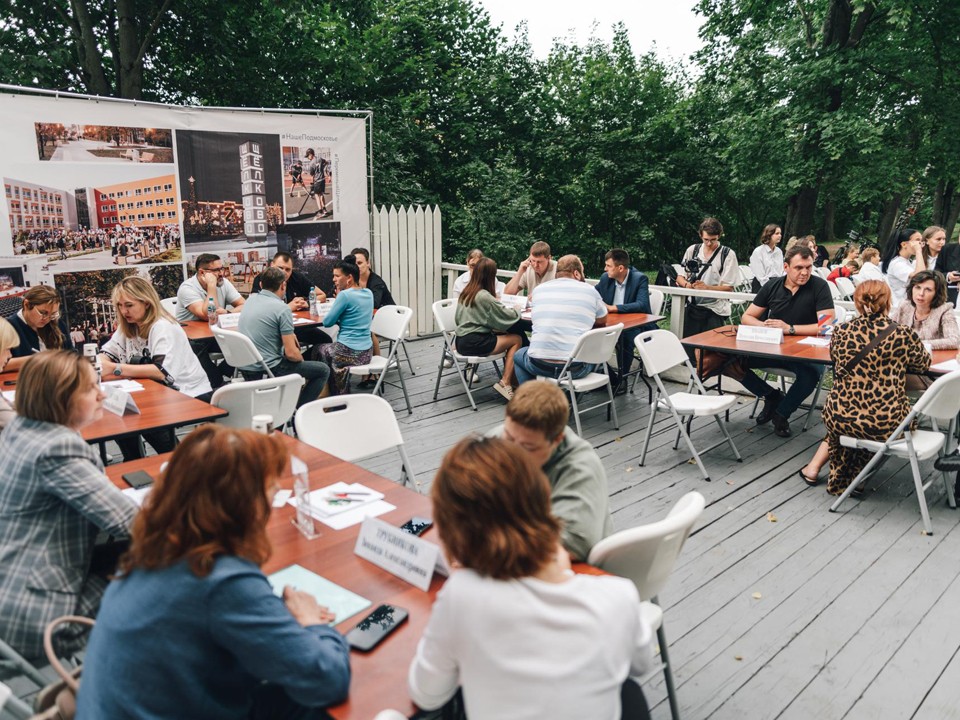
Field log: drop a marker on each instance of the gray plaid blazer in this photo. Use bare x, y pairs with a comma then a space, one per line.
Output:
54, 498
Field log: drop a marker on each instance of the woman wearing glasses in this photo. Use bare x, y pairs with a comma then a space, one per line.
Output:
39, 325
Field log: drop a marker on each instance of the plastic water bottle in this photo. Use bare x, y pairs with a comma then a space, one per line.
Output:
314, 311
211, 311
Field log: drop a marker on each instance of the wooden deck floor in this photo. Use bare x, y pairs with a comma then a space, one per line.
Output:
777, 608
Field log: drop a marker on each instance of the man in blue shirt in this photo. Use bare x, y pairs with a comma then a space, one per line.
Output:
268, 321
624, 289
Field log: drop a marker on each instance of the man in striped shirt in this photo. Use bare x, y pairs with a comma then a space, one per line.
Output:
563, 309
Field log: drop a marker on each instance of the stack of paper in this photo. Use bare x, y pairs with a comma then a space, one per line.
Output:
338, 600
341, 505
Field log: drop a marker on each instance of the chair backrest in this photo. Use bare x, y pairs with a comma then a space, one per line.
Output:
276, 397
445, 313
656, 301
596, 346
942, 399
660, 350
846, 286
646, 554
238, 350
840, 314
391, 322
170, 305
822, 272
835, 291
857, 279
351, 427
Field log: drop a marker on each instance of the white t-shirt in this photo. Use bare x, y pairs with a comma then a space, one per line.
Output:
527, 649
898, 275
722, 271
191, 290
461, 282
167, 339
869, 271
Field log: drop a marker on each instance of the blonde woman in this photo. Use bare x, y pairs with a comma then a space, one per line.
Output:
39, 325
8, 340
150, 344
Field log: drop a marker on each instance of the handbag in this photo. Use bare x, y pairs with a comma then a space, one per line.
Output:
712, 362
58, 701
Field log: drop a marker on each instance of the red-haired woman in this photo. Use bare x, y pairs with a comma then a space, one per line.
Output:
192, 611
514, 627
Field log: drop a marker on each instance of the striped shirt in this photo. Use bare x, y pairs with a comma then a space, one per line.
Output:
563, 310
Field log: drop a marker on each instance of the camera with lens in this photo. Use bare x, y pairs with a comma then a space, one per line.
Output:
693, 266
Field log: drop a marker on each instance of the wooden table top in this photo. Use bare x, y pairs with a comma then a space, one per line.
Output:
200, 329
725, 340
632, 320
160, 407
379, 678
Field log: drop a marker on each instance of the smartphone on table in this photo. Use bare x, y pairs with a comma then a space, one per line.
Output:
138, 479
375, 627
417, 525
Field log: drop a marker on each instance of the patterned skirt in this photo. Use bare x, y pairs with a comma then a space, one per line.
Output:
340, 358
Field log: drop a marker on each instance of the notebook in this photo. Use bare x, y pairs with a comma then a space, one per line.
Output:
340, 601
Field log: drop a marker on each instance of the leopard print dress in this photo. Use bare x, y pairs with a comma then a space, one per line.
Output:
870, 401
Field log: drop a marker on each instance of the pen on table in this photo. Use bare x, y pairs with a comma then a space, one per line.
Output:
9, 382
351, 494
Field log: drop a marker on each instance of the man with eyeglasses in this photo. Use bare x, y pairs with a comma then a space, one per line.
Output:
209, 282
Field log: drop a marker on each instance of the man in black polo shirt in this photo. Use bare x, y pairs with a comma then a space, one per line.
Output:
794, 302
298, 291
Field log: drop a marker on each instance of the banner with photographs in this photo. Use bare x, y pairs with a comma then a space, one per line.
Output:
93, 187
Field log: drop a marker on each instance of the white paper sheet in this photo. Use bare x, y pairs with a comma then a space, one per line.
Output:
947, 366
138, 495
815, 341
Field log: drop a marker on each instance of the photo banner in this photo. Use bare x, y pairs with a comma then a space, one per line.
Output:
95, 190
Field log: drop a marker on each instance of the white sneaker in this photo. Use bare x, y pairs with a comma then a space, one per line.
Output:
448, 362
505, 390
472, 376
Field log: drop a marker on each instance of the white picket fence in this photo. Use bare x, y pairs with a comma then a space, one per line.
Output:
405, 252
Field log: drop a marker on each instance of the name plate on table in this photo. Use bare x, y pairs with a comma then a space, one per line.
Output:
407, 556
118, 401
230, 321
753, 333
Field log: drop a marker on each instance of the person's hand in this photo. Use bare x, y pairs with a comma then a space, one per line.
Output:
209, 281
107, 366
305, 608
298, 303
523, 266
776, 324
698, 285
917, 246
321, 296
612, 309
953, 277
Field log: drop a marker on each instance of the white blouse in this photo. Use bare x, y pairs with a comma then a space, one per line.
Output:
766, 263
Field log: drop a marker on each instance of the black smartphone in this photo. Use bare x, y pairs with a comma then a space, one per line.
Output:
417, 525
375, 627
138, 479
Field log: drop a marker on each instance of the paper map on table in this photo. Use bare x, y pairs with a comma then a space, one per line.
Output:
340, 601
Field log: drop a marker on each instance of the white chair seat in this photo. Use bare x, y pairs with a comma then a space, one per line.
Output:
477, 359
377, 364
927, 443
590, 381
652, 614
698, 405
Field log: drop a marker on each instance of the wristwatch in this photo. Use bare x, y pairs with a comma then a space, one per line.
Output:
792, 330
118, 372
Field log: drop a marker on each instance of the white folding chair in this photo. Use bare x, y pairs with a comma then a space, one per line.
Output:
390, 324
660, 351
170, 305
656, 306
593, 348
646, 555
12, 706
238, 350
445, 312
823, 272
353, 427
940, 402
746, 279
846, 287
274, 396
835, 292
656, 301
857, 279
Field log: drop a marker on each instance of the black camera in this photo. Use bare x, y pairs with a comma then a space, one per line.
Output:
692, 266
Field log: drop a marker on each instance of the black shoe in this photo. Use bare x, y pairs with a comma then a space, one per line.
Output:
948, 463
780, 425
770, 404
620, 388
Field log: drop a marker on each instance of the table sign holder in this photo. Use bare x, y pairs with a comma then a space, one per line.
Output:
118, 401
753, 333
229, 321
303, 520
400, 553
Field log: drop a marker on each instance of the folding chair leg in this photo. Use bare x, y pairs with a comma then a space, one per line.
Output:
576, 410
921, 496
723, 429
403, 386
408, 474
646, 438
693, 450
436, 389
813, 404
612, 407
403, 349
668, 673
859, 479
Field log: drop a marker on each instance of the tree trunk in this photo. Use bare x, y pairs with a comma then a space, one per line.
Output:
950, 220
828, 233
800, 212
130, 82
891, 208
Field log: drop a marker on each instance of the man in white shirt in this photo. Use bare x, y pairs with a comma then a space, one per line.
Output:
717, 270
535, 270
209, 282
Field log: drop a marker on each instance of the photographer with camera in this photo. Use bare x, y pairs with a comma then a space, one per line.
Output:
708, 265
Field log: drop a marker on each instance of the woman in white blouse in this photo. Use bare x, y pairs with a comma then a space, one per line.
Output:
513, 627
897, 265
149, 343
766, 262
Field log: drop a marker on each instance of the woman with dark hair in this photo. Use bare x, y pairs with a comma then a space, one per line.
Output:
192, 611
54, 498
484, 325
39, 325
928, 312
513, 626
352, 311
370, 280
868, 398
897, 266
766, 262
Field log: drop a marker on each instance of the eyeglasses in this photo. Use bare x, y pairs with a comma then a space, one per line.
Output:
219, 270
55, 315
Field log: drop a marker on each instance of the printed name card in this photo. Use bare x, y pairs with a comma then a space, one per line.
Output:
752, 333
229, 321
118, 401
407, 556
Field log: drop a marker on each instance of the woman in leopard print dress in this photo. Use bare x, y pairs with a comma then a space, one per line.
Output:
870, 400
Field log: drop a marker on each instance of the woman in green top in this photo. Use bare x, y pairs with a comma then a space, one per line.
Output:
484, 326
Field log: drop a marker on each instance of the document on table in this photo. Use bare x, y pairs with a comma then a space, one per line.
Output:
138, 495
815, 341
948, 366
303, 321
338, 600
8, 395
125, 385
